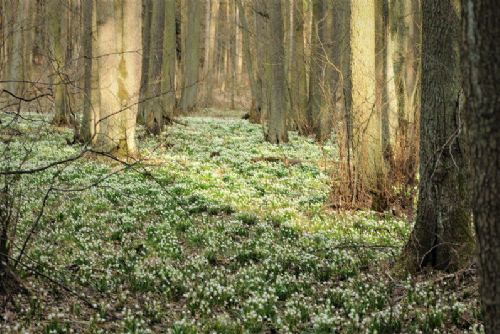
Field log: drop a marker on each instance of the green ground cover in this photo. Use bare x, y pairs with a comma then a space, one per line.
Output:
213, 231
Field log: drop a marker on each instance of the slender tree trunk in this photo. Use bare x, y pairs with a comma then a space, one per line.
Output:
14, 64
345, 192
298, 79
405, 39
57, 30
442, 235
250, 65
381, 94
28, 9
367, 124
262, 45
210, 61
169, 61
232, 48
482, 122
147, 14
153, 107
88, 115
39, 45
315, 80
191, 57
320, 116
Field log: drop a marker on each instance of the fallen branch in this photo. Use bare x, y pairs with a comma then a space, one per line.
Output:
285, 161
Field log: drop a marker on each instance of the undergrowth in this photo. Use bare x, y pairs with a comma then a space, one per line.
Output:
205, 235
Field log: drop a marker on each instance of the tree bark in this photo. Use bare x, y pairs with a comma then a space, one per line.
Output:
211, 52
169, 61
250, 65
276, 131
191, 57
298, 79
117, 45
58, 32
14, 61
442, 235
382, 94
147, 14
481, 60
321, 82
153, 106
367, 125
87, 129
316, 79
262, 46
405, 40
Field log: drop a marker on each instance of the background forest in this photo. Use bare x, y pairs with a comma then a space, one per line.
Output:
235, 166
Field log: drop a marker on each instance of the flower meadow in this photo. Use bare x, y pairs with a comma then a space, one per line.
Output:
213, 230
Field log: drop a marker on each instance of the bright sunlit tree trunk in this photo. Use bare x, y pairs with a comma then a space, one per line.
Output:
119, 66
367, 124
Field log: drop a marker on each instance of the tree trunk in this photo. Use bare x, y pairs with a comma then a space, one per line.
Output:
382, 82
14, 63
211, 67
191, 57
153, 106
88, 118
276, 131
321, 74
57, 30
316, 81
250, 65
405, 40
232, 48
367, 124
147, 14
482, 123
169, 60
118, 39
262, 46
442, 235
298, 80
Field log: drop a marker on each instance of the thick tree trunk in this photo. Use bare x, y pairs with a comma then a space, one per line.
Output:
118, 40
442, 235
482, 122
153, 106
191, 57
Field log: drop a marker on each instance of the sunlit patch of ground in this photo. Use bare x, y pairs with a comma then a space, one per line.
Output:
215, 231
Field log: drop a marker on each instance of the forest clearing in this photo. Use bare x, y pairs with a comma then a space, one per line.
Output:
249, 166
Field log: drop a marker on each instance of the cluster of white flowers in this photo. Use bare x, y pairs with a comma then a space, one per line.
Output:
222, 241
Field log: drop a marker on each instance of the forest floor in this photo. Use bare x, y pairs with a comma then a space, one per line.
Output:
214, 230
